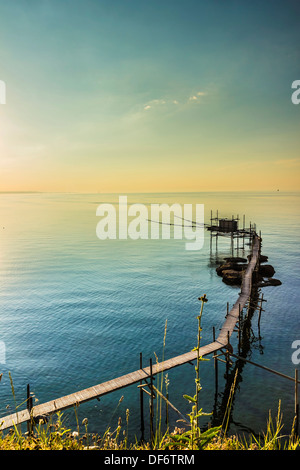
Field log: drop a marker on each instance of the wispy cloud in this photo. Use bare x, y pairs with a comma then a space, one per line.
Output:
154, 103
197, 96
174, 101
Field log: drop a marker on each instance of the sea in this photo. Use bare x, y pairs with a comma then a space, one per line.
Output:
77, 310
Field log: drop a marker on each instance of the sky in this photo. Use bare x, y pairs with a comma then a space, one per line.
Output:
149, 96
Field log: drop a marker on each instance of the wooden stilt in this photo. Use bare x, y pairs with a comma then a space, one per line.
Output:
29, 408
142, 404
151, 406
243, 232
239, 329
227, 356
215, 362
260, 309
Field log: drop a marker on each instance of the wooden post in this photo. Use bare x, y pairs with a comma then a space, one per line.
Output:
142, 403
296, 403
227, 311
215, 362
29, 408
227, 356
249, 307
151, 406
239, 330
260, 309
211, 231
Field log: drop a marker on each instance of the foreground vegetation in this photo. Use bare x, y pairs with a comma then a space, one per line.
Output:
55, 436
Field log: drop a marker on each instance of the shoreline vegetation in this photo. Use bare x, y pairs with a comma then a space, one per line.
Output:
55, 436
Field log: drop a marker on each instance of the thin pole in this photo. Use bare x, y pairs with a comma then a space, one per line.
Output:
151, 406
211, 230
260, 309
215, 362
29, 408
263, 367
142, 403
217, 229
240, 318
227, 356
243, 231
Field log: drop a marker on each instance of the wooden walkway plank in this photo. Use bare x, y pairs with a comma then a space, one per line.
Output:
118, 383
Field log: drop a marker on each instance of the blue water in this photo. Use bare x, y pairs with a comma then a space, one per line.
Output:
76, 311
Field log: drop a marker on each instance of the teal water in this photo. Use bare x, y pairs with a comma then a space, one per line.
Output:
76, 311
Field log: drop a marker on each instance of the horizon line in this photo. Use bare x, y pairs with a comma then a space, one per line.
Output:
156, 192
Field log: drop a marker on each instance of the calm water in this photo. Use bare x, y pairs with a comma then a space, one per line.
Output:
76, 311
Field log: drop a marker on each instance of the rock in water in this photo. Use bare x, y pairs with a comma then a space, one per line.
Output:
266, 270
269, 282
232, 277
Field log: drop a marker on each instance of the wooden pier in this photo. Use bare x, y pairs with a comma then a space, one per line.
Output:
222, 341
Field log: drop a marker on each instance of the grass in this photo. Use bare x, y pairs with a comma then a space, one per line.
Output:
55, 436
